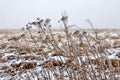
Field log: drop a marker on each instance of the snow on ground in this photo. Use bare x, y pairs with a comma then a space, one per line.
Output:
16, 65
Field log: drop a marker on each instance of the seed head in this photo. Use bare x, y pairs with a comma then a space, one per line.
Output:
38, 18
47, 20
34, 23
28, 27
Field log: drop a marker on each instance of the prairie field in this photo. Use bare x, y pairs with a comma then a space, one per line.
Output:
59, 40
40, 52
54, 55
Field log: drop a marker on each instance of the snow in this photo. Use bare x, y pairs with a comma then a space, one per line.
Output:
40, 72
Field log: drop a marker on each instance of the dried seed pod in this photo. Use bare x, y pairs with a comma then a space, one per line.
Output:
34, 23
28, 27
47, 20
38, 18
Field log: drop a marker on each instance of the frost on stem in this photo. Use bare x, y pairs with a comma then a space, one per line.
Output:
64, 18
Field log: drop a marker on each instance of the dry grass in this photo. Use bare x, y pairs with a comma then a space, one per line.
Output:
69, 52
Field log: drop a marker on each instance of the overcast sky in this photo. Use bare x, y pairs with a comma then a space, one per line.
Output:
102, 13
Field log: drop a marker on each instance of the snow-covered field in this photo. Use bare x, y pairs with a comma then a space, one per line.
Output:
85, 57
